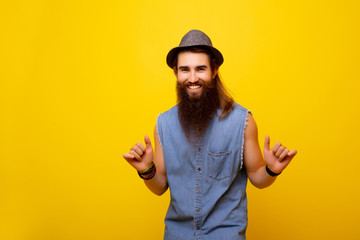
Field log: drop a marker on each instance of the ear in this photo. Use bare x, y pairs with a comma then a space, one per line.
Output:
215, 72
175, 72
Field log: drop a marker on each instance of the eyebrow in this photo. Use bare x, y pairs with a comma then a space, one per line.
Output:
200, 66
180, 67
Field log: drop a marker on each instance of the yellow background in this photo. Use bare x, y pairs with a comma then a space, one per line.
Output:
82, 81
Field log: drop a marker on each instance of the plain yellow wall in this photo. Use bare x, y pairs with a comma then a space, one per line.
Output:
81, 81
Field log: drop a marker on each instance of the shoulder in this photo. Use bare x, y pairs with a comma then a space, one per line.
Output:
238, 107
246, 115
167, 118
237, 112
251, 127
169, 112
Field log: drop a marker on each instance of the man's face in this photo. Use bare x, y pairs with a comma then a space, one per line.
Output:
193, 72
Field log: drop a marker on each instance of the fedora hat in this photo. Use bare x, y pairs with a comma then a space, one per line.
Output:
194, 38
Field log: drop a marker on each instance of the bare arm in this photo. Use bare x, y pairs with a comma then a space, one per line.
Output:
276, 158
141, 157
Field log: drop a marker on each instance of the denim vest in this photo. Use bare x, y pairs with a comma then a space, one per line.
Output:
207, 181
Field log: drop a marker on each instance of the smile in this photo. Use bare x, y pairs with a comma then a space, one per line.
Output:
194, 86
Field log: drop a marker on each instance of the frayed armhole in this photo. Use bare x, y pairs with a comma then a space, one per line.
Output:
157, 131
243, 138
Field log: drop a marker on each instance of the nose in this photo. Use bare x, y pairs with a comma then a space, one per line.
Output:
193, 78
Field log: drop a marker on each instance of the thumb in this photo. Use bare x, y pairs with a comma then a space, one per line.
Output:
147, 142
267, 143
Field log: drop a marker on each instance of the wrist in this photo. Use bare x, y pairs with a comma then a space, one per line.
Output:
147, 169
148, 173
271, 173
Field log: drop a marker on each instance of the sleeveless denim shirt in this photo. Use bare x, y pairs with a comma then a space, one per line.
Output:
207, 181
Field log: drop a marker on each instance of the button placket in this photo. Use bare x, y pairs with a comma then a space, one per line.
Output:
198, 183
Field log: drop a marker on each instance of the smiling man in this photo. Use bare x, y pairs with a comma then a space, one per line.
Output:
206, 148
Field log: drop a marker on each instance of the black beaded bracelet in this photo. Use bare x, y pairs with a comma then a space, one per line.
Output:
271, 173
148, 173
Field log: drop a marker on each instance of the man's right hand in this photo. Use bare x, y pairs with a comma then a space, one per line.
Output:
140, 157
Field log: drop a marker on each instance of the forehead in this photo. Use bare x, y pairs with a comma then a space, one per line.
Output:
187, 58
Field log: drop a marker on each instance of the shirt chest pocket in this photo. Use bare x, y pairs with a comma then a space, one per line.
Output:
219, 164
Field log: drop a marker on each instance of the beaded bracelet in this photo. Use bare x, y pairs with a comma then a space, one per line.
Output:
148, 173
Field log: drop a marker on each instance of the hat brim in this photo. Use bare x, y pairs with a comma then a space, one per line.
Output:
174, 52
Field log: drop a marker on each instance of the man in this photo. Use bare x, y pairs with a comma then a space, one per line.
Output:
206, 147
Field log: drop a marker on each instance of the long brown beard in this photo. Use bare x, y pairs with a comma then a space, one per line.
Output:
195, 113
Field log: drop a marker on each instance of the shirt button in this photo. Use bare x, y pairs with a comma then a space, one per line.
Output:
198, 228
199, 169
199, 149
197, 210
198, 190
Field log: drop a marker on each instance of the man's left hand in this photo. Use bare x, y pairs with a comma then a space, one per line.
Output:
278, 157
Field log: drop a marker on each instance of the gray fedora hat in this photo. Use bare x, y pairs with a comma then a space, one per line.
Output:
194, 38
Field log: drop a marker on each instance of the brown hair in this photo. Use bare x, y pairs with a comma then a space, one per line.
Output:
225, 99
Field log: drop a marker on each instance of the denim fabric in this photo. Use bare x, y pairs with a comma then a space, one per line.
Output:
207, 182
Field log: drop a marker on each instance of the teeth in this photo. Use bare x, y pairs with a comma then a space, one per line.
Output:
194, 87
